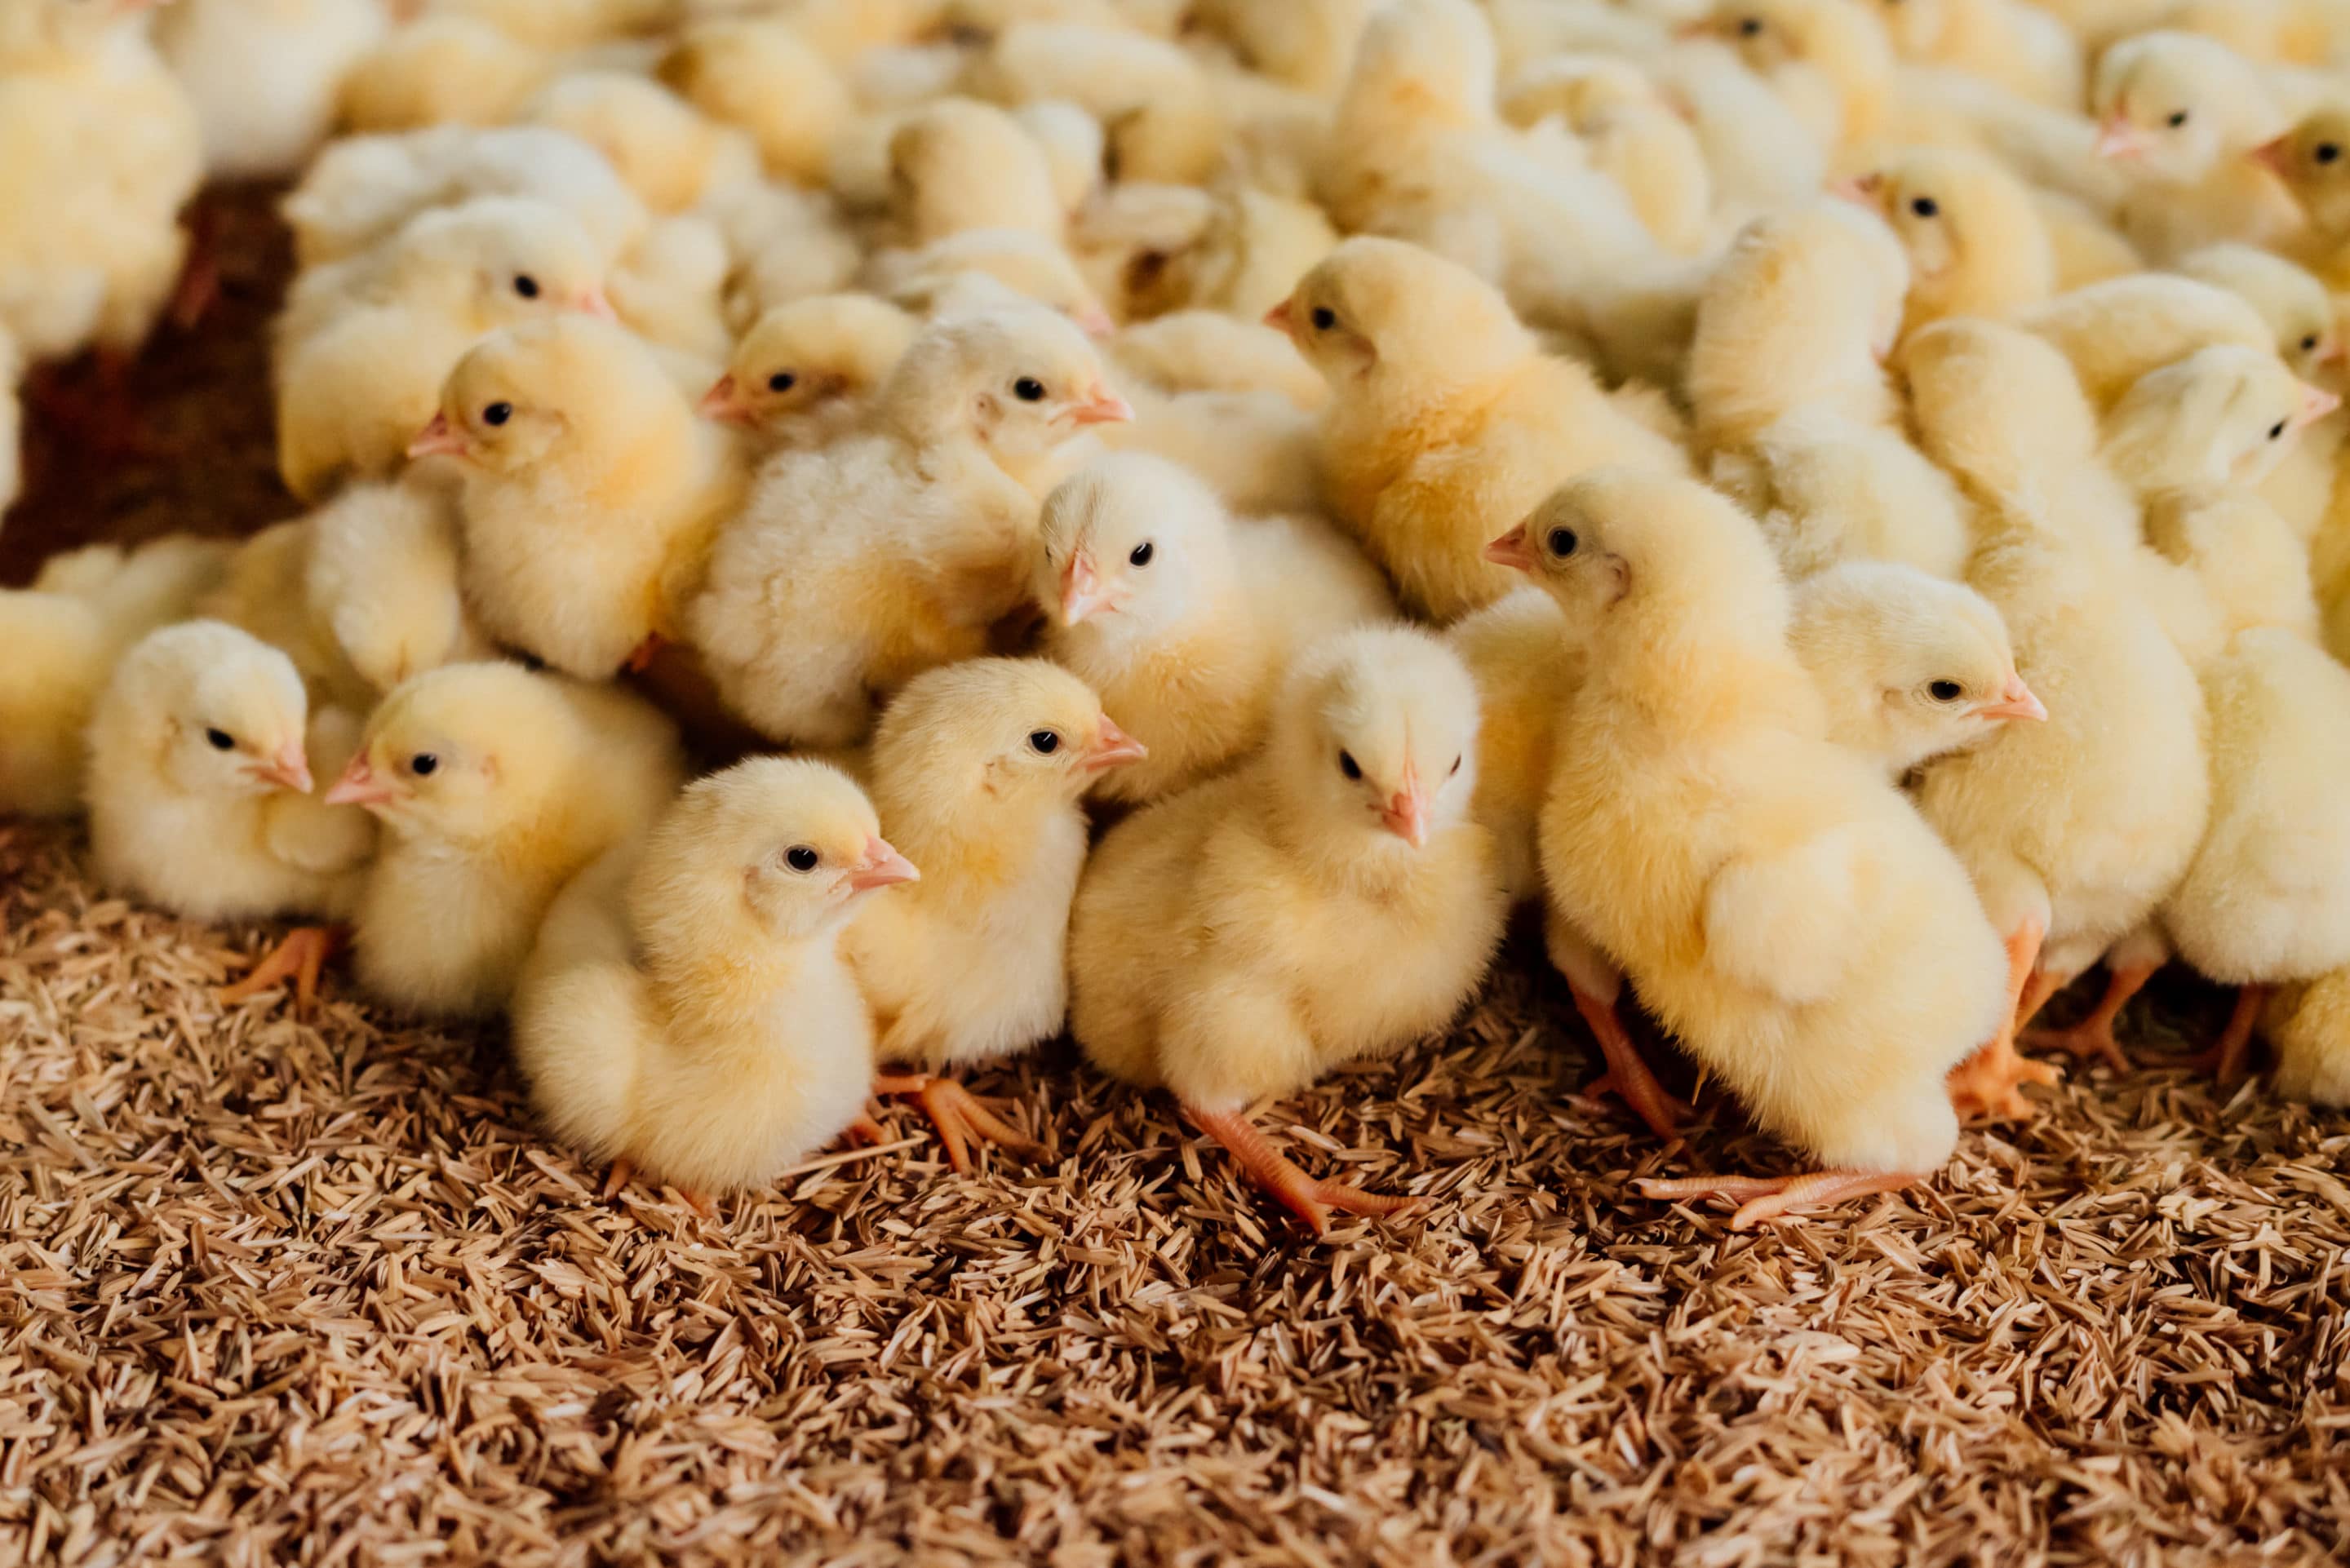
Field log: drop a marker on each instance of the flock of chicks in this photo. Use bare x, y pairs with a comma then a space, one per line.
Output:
1839, 502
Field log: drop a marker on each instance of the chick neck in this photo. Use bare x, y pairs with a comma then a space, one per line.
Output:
709, 961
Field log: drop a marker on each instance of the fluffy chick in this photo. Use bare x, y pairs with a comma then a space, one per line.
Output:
2019, 47
1333, 899
2295, 304
1183, 617
672, 155
1973, 231
263, 73
1827, 488
493, 786
589, 491
2183, 115
2310, 1027
2222, 415
1208, 351
1445, 421
441, 70
2313, 159
957, 164
2114, 332
805, 373
685, 1010
757, 73
1526, 667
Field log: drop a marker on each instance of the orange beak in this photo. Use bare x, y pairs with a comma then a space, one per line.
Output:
359, 786
1859, 188
880, 866
1407, 812
1094, 322
1082, 593
1513, 549
2015, 702
2316, 402
1283, 319
592, 302
2334, 353
1113, 746
2119, 139
2276, 156
438, 439
289, 768
723, 402
1104, 407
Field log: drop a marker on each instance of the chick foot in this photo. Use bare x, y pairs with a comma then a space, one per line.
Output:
1990, 1084
301, 953
1762, 1197
1309, 1198
2094, 1035
1628, 1075
959, 1116
618, 1176
2226, 1060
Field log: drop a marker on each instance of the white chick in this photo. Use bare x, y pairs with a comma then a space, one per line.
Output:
805, 374
264, 75
1333, 900
1183, 619
686, 1011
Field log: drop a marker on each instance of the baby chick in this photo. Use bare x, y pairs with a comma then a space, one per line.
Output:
955, 164
2311, 160
493, 786
1183, 619
978, 768
1332, 900
853, 568
262, 74
1976, 243
2182, 115
757, 73
2021, 48
441, 70
2221, 415
1526, 669
2295, 304
1208, 351
2115, 331
1827, 488
2310, 1027
806, 372
671, 156
686, 1010
1445, 420
589, 491
1791, 919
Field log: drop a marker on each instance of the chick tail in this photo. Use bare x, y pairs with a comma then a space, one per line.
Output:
1302, 1195
1762, 1197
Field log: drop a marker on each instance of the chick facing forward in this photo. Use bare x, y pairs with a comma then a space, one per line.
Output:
1333, 899
686, 1011
493, 786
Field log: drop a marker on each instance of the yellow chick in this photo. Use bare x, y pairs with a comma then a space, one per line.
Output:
1759, 153
365, 346
1161, 113
1827, 488
956, 164
1209, 351
1183, 617
1242, 255
1526, 667
2221, 415
686, 1010
1911, 667
493, 786
671, 155
2310, 1027
1332, 901
806, 373
441, 70
64, 634
1781, 907
2310, 158
2116, 332
1973, 233
98, 148
1073, 144
670, 289
757, 73
2295, 304
978, 768
952, 275
2018, 46
1257, 450
2254, 569
786, 244
1445, 421
2183, 115
262, 74
589, 491
853, 568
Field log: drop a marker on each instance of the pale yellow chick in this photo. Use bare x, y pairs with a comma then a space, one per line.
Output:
956, 164
2313, 159
1973, 231
2222, 415
1827, 488
2310, 1027
806, 373
2183, 116
953, 275
1209, 351
2015, 45
672, 155
441, 70
2114, 332
263, 73
758, 73
1526, 667
2307, 335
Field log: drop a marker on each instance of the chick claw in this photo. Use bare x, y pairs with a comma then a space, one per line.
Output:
1762, 1197
959, 1117
2092, 1036
1309, 1198
1990, 1084
1628, 1075
2225, 1061
301, 953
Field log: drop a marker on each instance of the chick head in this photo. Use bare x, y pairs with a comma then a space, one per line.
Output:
956, 164
1019, 381
2313, 160
787, 847
990, 734
514, 258
223, 711
1435, 55
2294, 302
1374, 740
1946, 205
2171, 105
465, 754
1839, 36
2222, 415
810, 355
1378, 305
1129, 545
572, 381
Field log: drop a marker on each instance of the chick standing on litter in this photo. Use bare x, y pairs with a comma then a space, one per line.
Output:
686, 1010
1332, 900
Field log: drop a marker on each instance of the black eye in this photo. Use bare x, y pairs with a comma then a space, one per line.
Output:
1456, 763
221, 739
1324, 318
1562, 541
2178, 118
2276, 431
2326, 151
1752, 27
423, 764
1028, 390
1925, 206
1946, 691
1044, 743
1139, 555
2309, 344
800, 858
1350, 767
526, 286
497, 413
781, 382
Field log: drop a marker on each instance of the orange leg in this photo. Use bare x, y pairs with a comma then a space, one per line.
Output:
640, 657
699, 1202
959, 1116
864, 1132
1761, 1197
1991, 1082
301, 954
2226, 1060
1309, 1199
200, 273
2094, 1035
618, 1176
1628, 1072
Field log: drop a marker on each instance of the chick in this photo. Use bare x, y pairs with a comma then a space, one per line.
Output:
853, 568
757, 73
977, 769
493, 786
1163, 115
2116, 332
1973, 233
1781, 907
64, 634
263, 73
2310, 1027
671, 156
2221, 415
1305, 44
685, 1010
1332, 900
1526, 669
952, 274
805, 374
2310, 158
1759, 153
1183, 619
1445, 422
1208, 351
956, 164
1257, 450
589, 491
2183, 114
441, 70
1241, 255
2295, 304
2019, 47
1828, 488
364, 346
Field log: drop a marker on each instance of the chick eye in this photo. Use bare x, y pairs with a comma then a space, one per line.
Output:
526, 286
1456, 763
1044, 743
1750, 27
1350, 767
221, 739
423, 764
781, 382
2326, 151
2276, 431
1028, 390
2309, 344
1139, 555
1324, 318
1946, 691
1562, 542
2178, 118
1926, 206
497, 413
800, 858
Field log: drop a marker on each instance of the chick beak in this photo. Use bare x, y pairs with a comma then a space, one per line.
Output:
2316, 402
1283, 319
2015, 702
880, 866
1094, 322
1113, 746
1860, 189
1083, 596
2276, 156
1103, 407
1513, 549
438, 439
592, 301
289, 768
1407, 812
2333, 353
359, 786
2118, 139
723, 402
